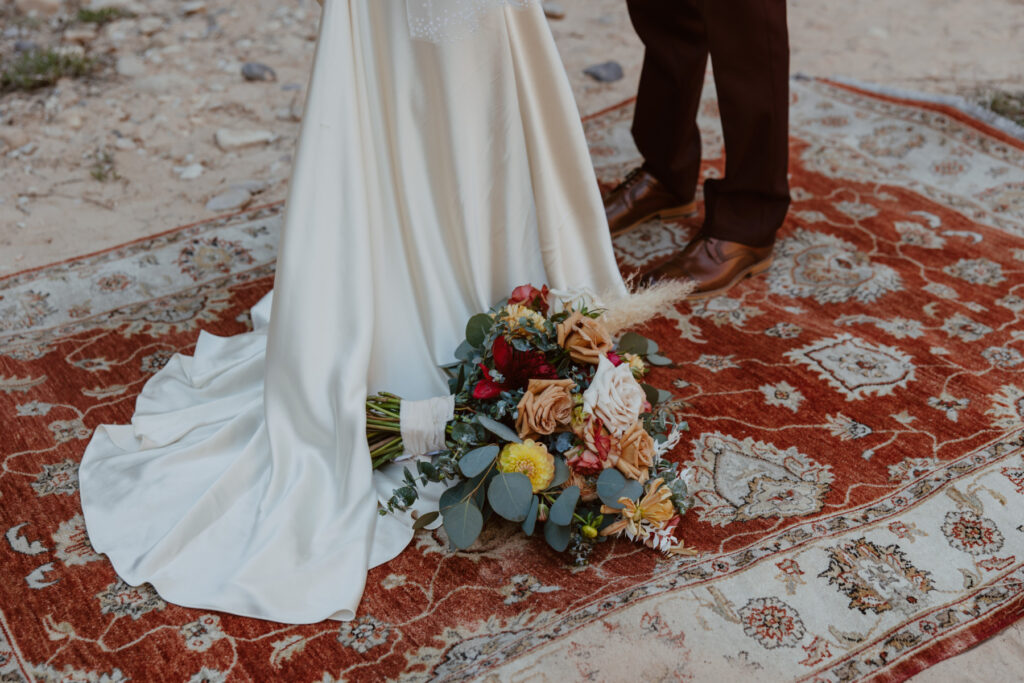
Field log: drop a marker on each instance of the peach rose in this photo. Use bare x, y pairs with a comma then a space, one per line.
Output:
545, 408
584, 338
636, 454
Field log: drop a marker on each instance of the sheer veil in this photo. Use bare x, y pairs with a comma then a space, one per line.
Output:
441, 21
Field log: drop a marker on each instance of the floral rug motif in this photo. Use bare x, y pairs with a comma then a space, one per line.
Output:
856, 437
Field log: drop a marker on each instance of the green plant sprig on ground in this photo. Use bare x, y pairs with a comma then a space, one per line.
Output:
42, 68
1008, 105
102, 16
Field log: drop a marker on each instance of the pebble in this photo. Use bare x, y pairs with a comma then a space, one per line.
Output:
128, 5
254, 71
150, 25
193, 7
45, 8
161, 84
190, 172
232, 199
553, 10
25, 46
228, 139
13, 136
83, 35
606, 72
124, 143
250, 186
130, 65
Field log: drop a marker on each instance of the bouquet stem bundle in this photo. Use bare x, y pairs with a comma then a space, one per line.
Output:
384, 428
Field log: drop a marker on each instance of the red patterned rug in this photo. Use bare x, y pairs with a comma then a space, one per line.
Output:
856, 428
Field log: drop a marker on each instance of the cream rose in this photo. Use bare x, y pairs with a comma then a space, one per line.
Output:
614, 396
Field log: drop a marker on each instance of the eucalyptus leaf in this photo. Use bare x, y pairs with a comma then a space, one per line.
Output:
477, 328
464, 433
428, 470
520, 344
557, 536
632, 490
564, 506
510, 494
651, 393
407, 495
531, 517
664, 396
465, 351
657, 359
424, 520
463, 524
632, 342
451, 496
561, 472
478, 485
652, 346
609, 487
498, 429
478, 460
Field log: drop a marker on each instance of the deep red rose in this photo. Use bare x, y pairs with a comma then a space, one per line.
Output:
530, 296
615, 359
517, 368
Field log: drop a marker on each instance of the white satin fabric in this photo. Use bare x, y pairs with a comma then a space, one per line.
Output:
429, 181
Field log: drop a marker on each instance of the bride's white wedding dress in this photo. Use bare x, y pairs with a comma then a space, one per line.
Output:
430, 179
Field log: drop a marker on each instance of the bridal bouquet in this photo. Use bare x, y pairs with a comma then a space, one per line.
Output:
548, 423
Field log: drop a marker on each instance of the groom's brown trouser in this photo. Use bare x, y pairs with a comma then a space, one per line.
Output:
748, 41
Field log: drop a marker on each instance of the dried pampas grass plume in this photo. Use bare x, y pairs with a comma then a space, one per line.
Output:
643, 303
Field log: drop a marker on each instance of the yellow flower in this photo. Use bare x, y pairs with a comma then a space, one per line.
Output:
636, 364
530, 458
513, 314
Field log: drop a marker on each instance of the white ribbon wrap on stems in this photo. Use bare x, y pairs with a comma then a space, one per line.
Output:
442, 21
423, 425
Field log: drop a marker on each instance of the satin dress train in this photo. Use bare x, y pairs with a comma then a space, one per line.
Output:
429, 180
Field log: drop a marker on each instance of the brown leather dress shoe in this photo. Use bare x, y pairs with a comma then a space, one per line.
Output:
717, 265
640, 198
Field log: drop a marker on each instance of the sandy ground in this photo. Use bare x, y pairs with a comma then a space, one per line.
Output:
134, 151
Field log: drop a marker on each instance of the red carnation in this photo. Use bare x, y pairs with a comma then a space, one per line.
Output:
585, 462
530, 296
516, 367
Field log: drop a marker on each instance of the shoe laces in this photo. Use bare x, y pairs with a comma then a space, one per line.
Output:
630, 179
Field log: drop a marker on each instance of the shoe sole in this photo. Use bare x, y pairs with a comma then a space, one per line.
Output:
684, 211
749, 271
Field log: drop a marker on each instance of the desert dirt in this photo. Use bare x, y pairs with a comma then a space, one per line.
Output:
168, 132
